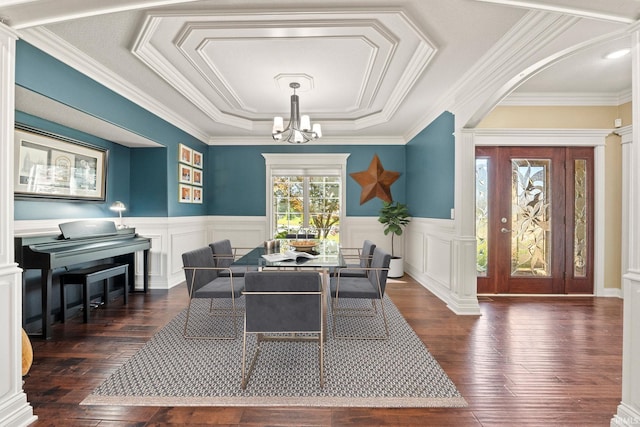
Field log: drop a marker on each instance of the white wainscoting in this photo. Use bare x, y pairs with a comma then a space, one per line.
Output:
355, 230
428, 245
171, 237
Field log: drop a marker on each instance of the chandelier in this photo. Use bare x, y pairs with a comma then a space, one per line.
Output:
299, 129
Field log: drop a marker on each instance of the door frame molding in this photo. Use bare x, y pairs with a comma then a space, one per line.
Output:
595, 138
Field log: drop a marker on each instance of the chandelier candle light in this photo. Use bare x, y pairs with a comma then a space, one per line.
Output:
299, 129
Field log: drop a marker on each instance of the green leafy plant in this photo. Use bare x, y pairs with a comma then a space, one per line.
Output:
394, 216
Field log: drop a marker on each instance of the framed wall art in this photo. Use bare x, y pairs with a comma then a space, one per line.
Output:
190, 175
196, 195
47, 165
186, 193
185, 174
196, 177
197, 159
185, 154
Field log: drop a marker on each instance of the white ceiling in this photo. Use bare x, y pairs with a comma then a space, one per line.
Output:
375, 71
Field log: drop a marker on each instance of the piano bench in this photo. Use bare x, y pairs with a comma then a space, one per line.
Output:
86, 277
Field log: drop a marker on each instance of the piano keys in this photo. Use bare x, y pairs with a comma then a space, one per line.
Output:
80, 242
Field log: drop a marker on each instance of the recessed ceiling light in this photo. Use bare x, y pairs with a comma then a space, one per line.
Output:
618, 53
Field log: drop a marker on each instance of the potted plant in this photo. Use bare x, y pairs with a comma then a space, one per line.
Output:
394, 216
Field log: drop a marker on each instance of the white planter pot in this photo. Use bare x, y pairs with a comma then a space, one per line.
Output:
396, 267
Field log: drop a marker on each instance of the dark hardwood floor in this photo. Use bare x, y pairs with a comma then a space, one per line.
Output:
525, 361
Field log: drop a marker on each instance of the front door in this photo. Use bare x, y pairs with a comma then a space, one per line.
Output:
534, 220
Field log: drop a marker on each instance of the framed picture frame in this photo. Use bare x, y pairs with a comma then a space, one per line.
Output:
196, 177
185, 193
185, 174
48, 165
197, 159
185, 154
196, 195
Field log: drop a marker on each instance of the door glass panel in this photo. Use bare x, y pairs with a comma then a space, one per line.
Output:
482, 216
580, 219
531, 220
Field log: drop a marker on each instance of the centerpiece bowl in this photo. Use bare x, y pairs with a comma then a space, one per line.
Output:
303, 245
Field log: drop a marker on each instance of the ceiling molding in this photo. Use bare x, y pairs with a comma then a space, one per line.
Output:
72, 9
412, 73
582, 13
144, 50
57, 47
325, 140
393, 56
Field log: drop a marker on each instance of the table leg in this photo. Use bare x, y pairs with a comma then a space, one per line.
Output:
325, 293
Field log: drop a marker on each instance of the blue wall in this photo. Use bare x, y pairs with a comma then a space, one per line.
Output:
236, 183
431, 166
149, 181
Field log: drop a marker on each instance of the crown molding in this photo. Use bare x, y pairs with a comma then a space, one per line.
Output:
325, 140
66, 10
57, 47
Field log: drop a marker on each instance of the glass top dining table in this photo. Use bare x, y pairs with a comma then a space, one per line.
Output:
327, 256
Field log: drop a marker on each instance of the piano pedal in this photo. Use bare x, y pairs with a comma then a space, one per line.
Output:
96, 303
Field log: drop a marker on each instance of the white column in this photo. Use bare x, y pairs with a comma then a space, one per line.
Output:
629, 409
464, 288
14, 408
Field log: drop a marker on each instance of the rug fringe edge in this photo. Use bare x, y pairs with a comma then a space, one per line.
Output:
410, 402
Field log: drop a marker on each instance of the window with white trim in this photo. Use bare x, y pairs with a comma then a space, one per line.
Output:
305, 194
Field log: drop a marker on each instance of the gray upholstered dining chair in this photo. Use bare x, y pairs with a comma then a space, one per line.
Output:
205, 282
225, 254
371, 287
282, 302
363, 256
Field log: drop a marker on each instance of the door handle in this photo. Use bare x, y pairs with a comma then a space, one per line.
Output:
504, 230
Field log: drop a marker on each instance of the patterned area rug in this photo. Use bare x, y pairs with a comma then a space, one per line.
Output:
173, 371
